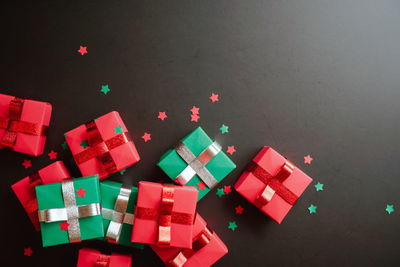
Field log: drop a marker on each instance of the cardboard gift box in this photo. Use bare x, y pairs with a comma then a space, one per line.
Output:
25, 188
70, 211
23, 124
118, 205
93, 258
164, 215
206, 249
197, 158
102, 146
272, 183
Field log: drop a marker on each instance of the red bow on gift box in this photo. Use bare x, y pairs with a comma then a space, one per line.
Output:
13, 125
34, 180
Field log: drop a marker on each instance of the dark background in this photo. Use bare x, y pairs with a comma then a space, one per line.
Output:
305, 77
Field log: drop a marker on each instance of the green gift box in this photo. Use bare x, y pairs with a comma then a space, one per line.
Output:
70, 211
118, 206
197, 158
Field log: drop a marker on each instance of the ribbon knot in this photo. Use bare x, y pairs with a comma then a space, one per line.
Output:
102, 261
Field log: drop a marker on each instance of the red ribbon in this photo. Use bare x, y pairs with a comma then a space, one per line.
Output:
100, 149
199, 242
34, 180
13, 125
165, 216
273, 184
102, 261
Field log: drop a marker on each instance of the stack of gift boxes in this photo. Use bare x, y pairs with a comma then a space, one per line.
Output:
70, 210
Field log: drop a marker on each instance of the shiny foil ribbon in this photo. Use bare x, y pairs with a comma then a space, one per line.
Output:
273, 184
100, 149
71, 212
13, 125
34, 180
118, 216
197, 165
165, 216
102, 261
199, 242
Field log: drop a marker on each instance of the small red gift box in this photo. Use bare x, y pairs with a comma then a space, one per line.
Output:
206, 249
272, 183
25, 188
102, 146
164, 215
23, 124
93, 258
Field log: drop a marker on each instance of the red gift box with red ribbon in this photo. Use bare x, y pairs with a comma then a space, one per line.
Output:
206, 249
102, 146
23, 124
272, 183
93, 258
25, 188
164, 215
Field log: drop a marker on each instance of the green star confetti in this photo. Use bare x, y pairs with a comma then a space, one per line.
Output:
232, 225
389, 208
84, 144
312, 209
118, 129
65, 135
123, 171
64, 145
224, 129
319, 187
105, 89
220, 192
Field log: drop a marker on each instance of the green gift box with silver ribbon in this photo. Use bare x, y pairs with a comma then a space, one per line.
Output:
198, 161
70, 211
118, 205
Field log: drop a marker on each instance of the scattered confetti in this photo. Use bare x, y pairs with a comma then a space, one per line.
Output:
81, 192
220, 192
28, 252
105, 89
64, 226
319, 187
194, 117
389, 208
27, 163
201, 185
53, 155
82, 50
146, 137
64, 145
232, 225
231, 150
224, 129
227, 189
162, 116
84, 144
195, 110
308, 159
239, 209
123, 171
118, 129
214, 97
312, 209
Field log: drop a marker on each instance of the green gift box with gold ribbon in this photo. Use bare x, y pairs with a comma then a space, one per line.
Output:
118, 205
197, 161
70, 211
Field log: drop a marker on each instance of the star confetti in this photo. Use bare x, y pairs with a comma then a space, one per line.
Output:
118, 129
146, 137
319, 187
28, 252
224, 129
52, 155
232, 225
201, 185
308, 159
389, 208
312, 209
162, 116
239, 210
82, 50
84, 144
231, 150
64, 226
64, 145
214, 97
220, 192
227, 189
104, 89
123, 171
27, 163
194, 117
81, 192
195, 110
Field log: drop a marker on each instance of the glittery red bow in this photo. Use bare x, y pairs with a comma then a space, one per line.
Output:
13, 125
199, 242
273, 184
102, 261
100, 149
165, 216
34, 180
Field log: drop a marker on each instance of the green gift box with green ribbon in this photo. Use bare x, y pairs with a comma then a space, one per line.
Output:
70, 211
118, 205
197, 161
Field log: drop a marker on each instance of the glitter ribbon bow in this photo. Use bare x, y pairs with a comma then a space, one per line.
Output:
102, 261
34, 180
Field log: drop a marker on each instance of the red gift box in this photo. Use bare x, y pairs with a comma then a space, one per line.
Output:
164, 215
93, 258
272, 183
25, 188
23, 124
102, 146
206, 249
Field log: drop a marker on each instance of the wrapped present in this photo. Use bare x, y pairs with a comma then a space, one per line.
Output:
102, 146
25, 188
164, 215
197, 160
23, 124
70, 211
206, 249
93, 258
118, 205
272, 183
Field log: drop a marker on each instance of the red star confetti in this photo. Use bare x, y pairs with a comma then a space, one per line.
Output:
28, 252
64, 226
194, 117
231, 150
81, 192
146, 137
308, 159
82, 50
195, 110
227, 189
162, 116
27, 163
201, 185
53, 155
239, 209
214, 97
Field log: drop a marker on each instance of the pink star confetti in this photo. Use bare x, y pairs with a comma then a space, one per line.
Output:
214, 97
64, 226
81, 192
227, 189
308, 159
194, 117
201, 185
28, 252
82, 50
53, 155
195, 110
162, 116
146, 137
239, 209
27, 163
231, 150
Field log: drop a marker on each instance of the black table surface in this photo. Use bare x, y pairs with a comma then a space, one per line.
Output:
305, 77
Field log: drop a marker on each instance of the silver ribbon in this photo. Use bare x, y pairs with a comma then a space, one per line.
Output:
71, 213
197, 165
118, 216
